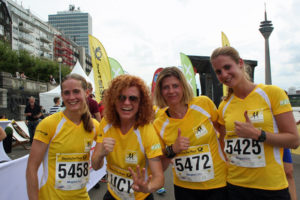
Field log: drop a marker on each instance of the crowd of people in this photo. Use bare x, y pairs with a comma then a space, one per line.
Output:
239, 150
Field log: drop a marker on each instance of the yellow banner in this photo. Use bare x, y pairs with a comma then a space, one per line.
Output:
102, 75
225, 42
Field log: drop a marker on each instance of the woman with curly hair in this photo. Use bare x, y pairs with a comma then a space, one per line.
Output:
128, 141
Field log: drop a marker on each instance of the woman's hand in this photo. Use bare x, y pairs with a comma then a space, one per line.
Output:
181, 143
108, 145
246, 129
139, 182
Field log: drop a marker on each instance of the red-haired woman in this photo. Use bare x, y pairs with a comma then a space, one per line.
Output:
128, 141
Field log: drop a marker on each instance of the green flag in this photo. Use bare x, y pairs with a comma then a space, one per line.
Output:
115, 67
188, 71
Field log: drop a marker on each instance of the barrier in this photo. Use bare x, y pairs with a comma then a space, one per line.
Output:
13, 178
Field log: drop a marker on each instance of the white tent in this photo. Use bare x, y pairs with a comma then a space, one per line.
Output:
46, 98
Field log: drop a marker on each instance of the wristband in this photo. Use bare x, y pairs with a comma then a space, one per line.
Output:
169, 152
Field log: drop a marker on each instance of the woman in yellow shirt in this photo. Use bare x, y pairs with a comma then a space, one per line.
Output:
128, 141
63, 142
188, 137
258, 123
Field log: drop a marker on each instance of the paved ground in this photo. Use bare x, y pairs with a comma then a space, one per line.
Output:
97, 194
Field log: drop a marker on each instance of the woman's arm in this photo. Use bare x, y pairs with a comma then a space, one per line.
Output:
154, 182
38, 150
288, 134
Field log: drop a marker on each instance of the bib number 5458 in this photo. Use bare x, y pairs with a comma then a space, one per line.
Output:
73, 170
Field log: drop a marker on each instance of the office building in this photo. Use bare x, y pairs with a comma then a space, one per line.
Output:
75, 24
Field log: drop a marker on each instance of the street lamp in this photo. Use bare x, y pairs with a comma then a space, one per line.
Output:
59, 60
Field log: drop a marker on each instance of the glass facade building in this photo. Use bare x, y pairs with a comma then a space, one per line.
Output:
74, 24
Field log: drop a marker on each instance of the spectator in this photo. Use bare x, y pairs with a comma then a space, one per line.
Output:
62, 107
56, 106
101, 105
52, 80
22, 75
32, 113
93, 105
17, 75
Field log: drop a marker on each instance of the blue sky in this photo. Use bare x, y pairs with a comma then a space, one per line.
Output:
144, 35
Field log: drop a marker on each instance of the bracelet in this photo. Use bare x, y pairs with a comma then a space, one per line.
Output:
169, 152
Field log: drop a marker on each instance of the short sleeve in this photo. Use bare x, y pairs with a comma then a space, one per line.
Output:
44, 131
100, 132
151, 142
279, 100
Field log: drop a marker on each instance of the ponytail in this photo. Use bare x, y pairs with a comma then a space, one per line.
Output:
87, 119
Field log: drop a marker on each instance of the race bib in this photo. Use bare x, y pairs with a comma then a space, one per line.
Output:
245, 152
72, 171
120, 182
194, 164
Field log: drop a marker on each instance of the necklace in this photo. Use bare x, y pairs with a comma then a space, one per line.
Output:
179, 113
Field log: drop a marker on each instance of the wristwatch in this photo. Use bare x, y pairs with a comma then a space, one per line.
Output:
169, 152
262, 136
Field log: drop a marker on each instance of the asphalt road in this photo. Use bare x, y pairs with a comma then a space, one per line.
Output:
97, 194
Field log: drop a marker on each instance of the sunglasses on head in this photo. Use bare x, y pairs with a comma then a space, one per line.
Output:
122, 98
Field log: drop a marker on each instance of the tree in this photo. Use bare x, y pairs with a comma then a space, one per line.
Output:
35, 68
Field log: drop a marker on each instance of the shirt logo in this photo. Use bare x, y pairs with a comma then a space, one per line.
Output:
256, 116
87, 144
131, 157
200, 131
156, 146
284, 102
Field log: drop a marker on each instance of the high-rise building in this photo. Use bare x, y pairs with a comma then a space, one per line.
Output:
75, 24
29, 32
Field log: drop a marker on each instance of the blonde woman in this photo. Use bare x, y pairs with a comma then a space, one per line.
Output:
258, 123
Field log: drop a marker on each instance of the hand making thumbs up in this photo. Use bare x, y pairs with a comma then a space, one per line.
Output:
246, 129
181, 143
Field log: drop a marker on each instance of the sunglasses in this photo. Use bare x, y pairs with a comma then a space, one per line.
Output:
134, 99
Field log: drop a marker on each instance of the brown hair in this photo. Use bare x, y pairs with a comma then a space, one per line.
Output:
145, 112
86, 115
175, 72
235, 56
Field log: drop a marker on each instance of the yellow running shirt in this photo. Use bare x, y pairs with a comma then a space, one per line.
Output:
66, 162
255, 164
132, 149
202, 166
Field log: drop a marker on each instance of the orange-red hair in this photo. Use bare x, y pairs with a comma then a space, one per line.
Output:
145, 112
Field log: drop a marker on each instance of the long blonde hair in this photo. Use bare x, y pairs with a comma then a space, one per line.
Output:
86, 115
235, 56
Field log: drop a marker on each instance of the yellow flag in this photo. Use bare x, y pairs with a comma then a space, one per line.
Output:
101, 67
225, 42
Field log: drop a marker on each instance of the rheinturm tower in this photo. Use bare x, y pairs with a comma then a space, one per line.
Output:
266, 29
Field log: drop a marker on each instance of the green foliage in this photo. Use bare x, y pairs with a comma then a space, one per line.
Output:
8, 130
35, 68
